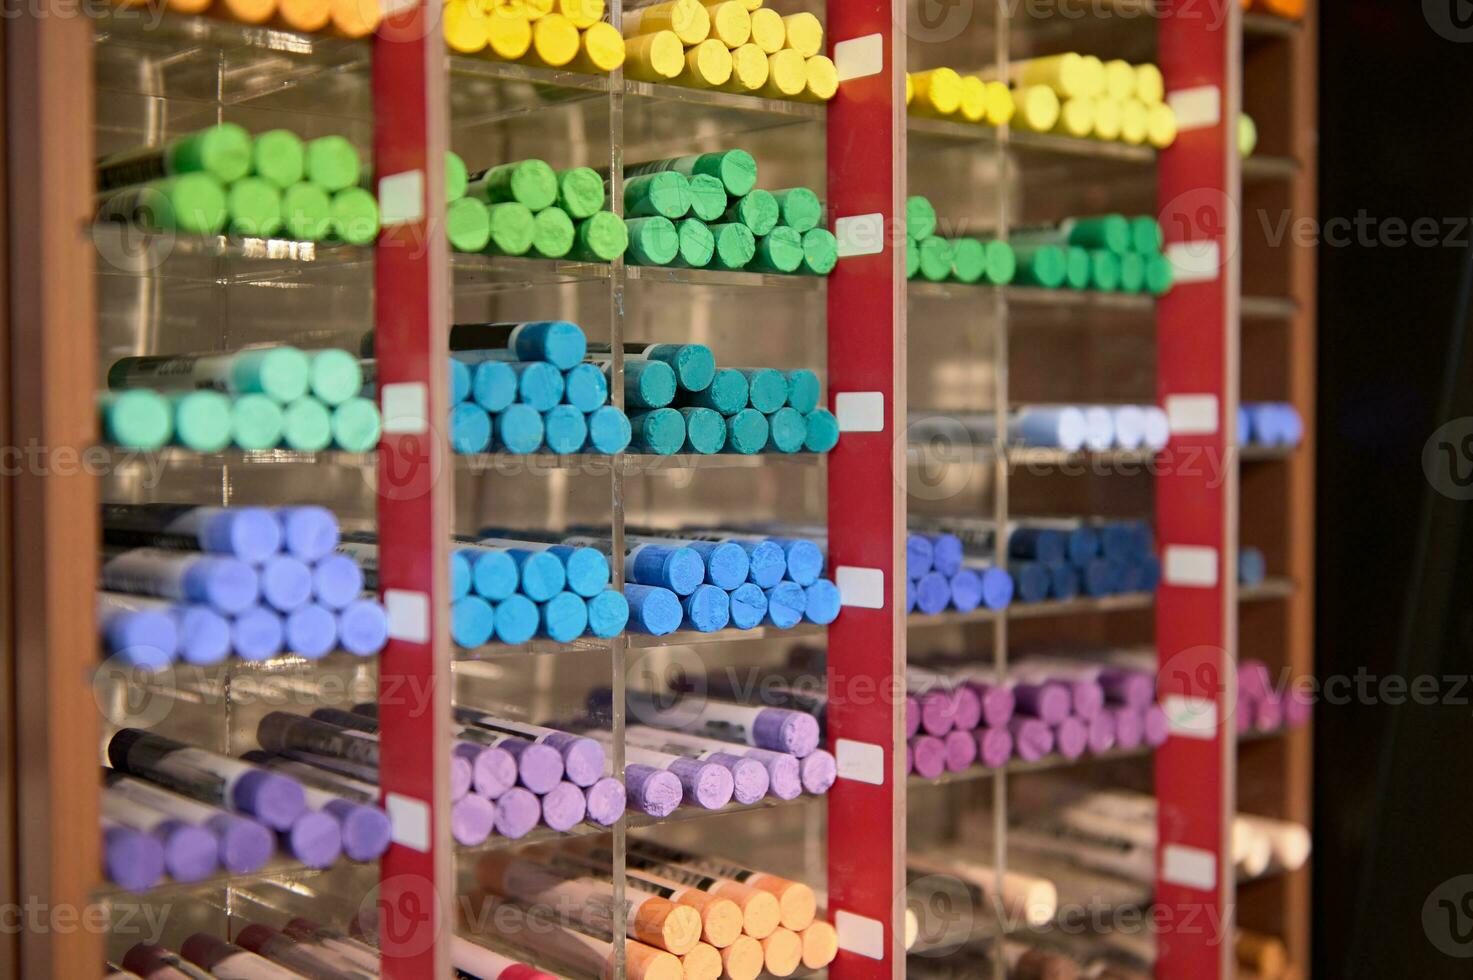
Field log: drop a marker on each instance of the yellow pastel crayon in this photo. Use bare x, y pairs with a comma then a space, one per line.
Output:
1109, 117
731, 24
1119, 80
601, 49
1000, 104
656, 57
748, 68
508, 34
707, 65
1037, 108
687, 18
787, 75
583, 13
536, 9
465, 27
1150, 87
768, 31
910, 89
1070, 75
823, 78
1160, 125
973, 104
747, 5
1134, 120
804, 34
1076, 117
938, 91
555, 40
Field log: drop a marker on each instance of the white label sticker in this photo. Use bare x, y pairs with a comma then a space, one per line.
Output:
860, 934
860, 234
1189, 866
1196, 108
860, 411
863, 762
401, 198
409, 615
405, 407
409, 820
863, 588
1194, 262
1193, 566
859, 57
1192, 415
1190, 717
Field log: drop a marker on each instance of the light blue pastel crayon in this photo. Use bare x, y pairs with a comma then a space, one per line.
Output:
585, 387
539, 385
587, 569
540, 573
653, 610
309, 533
557, 342
460, 575
608, 613
516, 619
336, 581
143, 637
786, 431
821, 602
804, 558
472, 621
470, 428
564, 617
609, 431
727, 564
785, 604
748, 606
494, 574
493, 385
803, 390
518, 429
822, 431
660, 432
707, 609
286, 584
204, 635
694, 364
564, 428
677, 568
460, 381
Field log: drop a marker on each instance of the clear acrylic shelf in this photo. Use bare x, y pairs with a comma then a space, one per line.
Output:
635, 641
925, 130
1267, 308
1263, 168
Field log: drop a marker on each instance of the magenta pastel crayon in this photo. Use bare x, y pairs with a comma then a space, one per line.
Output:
563, 806
1298, 709
1100, 732
493, 770
994, 746
652, 791
930, 756
937, 710
1245, 716
1087, 698
517, 811
472, 819
961, 750
819, 771
1133, 688
997, 702
131, 859
190, 852
910, 760
1071, 737
1032, 739
912, 716
1268, 714
1047, 701
314, 838
1130, 726
1157, 728
968, 707
1254, 679
605, 801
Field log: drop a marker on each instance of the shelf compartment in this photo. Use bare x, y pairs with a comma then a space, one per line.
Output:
1272, 588
1265, 168
635, 641
737, 279
926, 131
1267, 308
660, 116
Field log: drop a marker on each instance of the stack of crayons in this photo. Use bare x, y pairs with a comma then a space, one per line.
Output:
1072, 428
945, 93
777, 755
1263, 707
555, 33
1269, 424
706, 211
199, 583
181, 809
681, 402
223, 180
510, 591
936, 259
709, 578
254, 399
941, 576
520, 387
958, 715
730, 45
349, 20
1078, 95
1106, 253
528, 208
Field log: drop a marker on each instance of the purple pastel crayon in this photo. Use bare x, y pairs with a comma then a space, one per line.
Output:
1046, 701
539, 767
1130, 726
930, 756
1133, 688
1032, 738
819, 771
583, 758
131, 859
707, 785
961, 750
750, 778
1101, 732
1087, 698
209, 777
563, 807
487, 769
314, 838
362, 825
244, 844
779, 729
1071, 737
994, 746
652, 791
605, 801
517, 812
1156, 726
472, 818
493, 770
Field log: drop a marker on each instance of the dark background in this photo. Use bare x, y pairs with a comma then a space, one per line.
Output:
1395, 586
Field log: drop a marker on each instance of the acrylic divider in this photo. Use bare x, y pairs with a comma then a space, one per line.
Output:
411, 321
1199, 187
866, 488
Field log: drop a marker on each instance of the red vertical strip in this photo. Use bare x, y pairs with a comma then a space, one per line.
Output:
411, 282
1196, 504
866, 489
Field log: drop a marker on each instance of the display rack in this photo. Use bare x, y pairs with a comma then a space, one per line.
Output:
416, 102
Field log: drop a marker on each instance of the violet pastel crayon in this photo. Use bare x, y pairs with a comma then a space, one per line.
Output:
778, 729
517, 811
750, 779
605, 801
783, 772
1046, 700
539, 766
208, 776
933, 593
1086, 696
1130, 726
248, 533
137, 636
961, 750
492, 770
363, 627
652, 790
190, 852
130, 858
244, 845
225, 584
563, 807
203, 635
704, 784
363, 827
584, 760
818, 771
